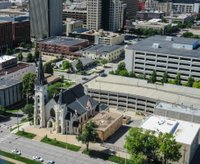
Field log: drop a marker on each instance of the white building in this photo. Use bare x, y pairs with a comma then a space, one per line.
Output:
186, 133
94, 8
5, 4
100, 51
165, 54
73, 25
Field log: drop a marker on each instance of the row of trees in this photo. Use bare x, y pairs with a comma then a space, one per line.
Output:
30, 57
145, 147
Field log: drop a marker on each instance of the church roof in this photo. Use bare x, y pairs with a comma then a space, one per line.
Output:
70, 95
80, 105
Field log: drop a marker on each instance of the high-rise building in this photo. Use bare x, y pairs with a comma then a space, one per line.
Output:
46, 18
94, 14
105, 14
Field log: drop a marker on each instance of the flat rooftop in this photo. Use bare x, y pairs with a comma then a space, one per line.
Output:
166, 46
5, 58
184, 131
140, 88
103, 48
178, 108
105, 119
65, 41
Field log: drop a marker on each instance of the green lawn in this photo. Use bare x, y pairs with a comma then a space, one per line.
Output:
25, 134
17, 157
60, 144
105, 156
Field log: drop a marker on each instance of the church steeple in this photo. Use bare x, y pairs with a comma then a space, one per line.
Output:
40, 76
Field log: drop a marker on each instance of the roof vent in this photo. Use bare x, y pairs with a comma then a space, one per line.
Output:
156, 45
169, 38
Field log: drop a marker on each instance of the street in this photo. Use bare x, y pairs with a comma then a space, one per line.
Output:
30, 148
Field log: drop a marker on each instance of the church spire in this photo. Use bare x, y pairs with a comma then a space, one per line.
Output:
40, 77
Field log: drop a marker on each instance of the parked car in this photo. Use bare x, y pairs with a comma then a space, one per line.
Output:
51, 162
85, 78
37, 158
15, 151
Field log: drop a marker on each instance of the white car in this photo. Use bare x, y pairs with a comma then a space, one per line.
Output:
36, 158
15, 151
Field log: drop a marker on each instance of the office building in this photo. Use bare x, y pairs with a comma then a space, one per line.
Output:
185, 133
186, 6
5, 4
147, 15
6, 38
105, 14
132, 8
73, 25
165, 54
137, 95
46, 18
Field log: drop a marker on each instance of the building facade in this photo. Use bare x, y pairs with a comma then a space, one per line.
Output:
165, 54
46, 18
6, 38
186, 6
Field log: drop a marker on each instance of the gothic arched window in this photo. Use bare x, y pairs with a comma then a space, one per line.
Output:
52, 112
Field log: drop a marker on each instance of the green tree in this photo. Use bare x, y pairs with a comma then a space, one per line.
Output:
28, 83
132, 74
104, 62
48, 68
124, 73
121, 66
66, 64
28, 109
169, 148
139, 158
196, 84
178, 79
153, 77
165, 78
36, 55
88, 134
141, 142
20, 56
54, 89
29, 57
79, 65
190, 81
188, 35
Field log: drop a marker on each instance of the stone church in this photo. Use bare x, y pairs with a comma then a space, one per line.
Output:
66, 112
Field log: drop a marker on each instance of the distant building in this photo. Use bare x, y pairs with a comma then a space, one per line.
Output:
185, 133
87, 63
156, 24
7, 62
186, 6
6, 38
62, 46
183, 18
149, 14
100, 51
46, 18
5, 4
73, 25
132, 8
165, 54
100, 37
20, 28
107, 124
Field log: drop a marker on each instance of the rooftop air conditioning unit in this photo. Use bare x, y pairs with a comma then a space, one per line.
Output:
156, 45
169, 38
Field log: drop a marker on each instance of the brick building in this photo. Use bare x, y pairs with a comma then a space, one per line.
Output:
5, 34
62, 46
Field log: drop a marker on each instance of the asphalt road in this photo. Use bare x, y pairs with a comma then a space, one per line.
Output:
30, 148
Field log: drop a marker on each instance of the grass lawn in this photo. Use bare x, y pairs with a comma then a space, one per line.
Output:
17, 157
60, 144
104, 156
25, 134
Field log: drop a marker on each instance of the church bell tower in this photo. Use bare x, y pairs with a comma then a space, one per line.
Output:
41, 97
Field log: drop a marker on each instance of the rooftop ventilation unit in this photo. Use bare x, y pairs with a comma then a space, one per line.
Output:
169, 38
156, 45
